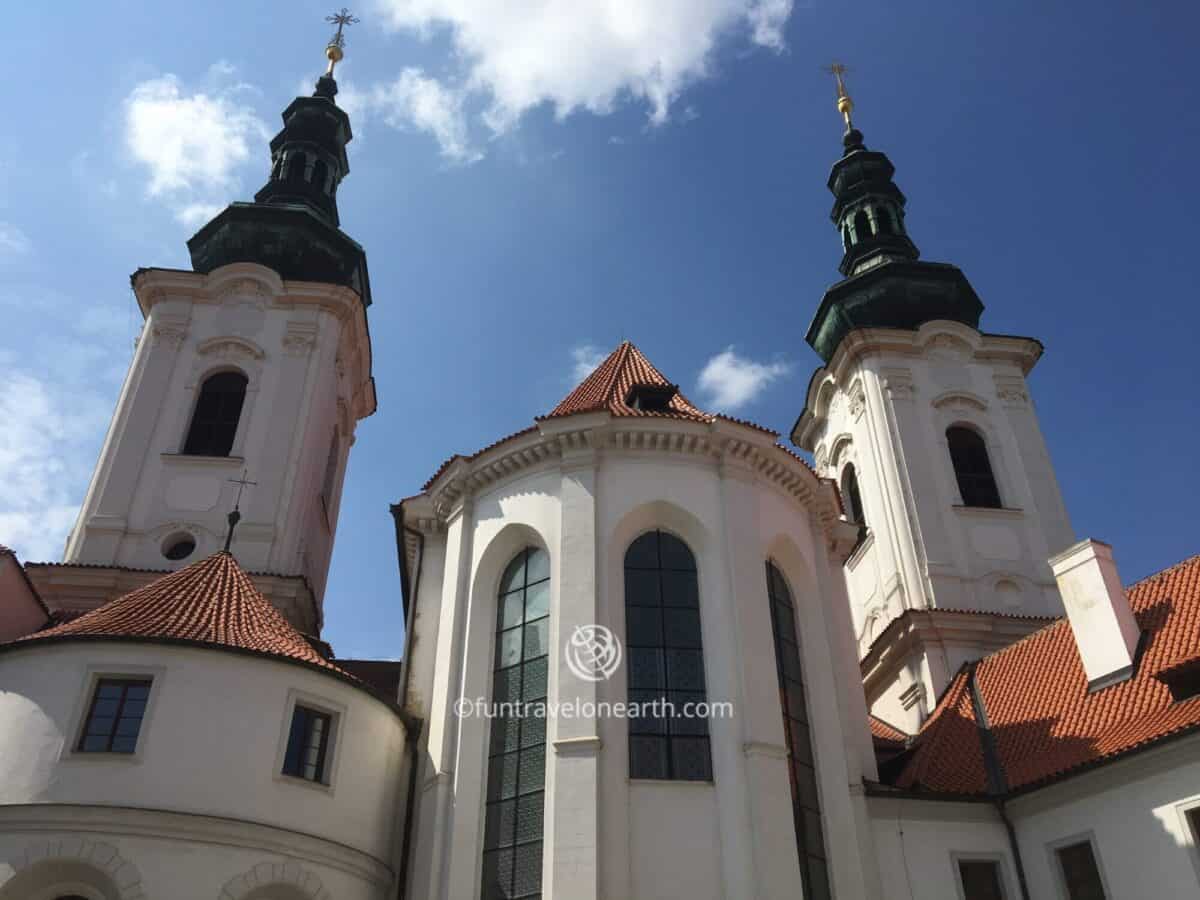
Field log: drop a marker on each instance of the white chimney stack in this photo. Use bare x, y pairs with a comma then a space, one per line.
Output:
1106, 632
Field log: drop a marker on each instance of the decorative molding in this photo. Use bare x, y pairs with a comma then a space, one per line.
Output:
858, 400
1011, 391
299, 339
587, 745
765, 749
959, 398
899, 384
230, 347
170, 335
97, 855
270, 874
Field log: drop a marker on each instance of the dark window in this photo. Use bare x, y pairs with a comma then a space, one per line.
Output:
851, 496
295, 167
319, 174
512, 833
180, 547
331, 464
972, 468
115, 716
980, 879
1080, 872
1184, 682
806, 808
1193, 816
883, 220
308, 745
651, 397
215, 420
666, 660
862, 226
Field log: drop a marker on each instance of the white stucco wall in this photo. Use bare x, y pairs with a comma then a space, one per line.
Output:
210, 750
606, 836
304, 349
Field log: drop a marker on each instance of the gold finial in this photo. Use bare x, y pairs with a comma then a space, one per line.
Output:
334, 50
844, 104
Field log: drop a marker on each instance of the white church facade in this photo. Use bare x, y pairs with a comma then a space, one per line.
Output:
892, 675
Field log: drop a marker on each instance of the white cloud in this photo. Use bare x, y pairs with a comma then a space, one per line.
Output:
731, 381
585, 54
584, 360
417, 101
193, 142
13, 241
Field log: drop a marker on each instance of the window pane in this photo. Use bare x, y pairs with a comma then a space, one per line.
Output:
679, 589
514, 575
533, 685
508, 648
675, 553
646, 668
651, 718
530, 810
643, 553
980, 879
512, 609
114, 716
1080, 872
527, 872
641, 588
497, 874
643, 627
647, 757
537, 637
506, 733
537, 567
506, 687
537, 601
533, 731
307, 747
685, 719
501, 824
681, 627
690, 758
685, 670
502, 776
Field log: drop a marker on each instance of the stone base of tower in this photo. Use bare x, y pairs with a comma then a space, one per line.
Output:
913, 660
68, 588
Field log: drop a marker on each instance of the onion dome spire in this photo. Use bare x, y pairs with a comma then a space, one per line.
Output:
886, 285
293, 224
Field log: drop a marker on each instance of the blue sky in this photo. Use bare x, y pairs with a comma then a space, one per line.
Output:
531, 188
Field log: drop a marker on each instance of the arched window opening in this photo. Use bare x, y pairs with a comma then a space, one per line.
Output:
806, 807
295, 167
666, 661
862, 226
512, 834
215, 420
972, 468
851, 497
883, 220
320, 174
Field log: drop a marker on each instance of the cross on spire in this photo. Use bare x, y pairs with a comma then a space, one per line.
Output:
844, 104
235, 515
335, 49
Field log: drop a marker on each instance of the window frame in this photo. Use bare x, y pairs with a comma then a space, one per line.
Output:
986, 446
198, 389
1060, 877
633, 644
1001, 861
93, 674
337, 713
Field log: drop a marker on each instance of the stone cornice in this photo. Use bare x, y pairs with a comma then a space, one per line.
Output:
973, 346
724, 445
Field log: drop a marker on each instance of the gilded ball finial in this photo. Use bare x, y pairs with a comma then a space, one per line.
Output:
333, 51
844, 104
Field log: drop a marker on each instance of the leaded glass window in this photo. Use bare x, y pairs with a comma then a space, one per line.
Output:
115, 717
666, 660
512, 840
806, 807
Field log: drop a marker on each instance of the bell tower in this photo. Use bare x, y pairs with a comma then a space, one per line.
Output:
251, 373
926, 423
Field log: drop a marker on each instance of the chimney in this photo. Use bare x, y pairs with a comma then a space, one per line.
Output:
1102, 621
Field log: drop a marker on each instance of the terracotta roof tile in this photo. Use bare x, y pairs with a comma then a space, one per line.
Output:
211, 602
882, 731
1045, 722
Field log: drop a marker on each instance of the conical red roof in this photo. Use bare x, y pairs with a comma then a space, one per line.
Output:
210, 602
608, 388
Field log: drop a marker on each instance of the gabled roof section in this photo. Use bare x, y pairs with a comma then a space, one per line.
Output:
210, 603
611, 386
1045, 723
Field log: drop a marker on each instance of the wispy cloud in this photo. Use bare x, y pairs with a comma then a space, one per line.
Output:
730, 381
192, 142
584, 359
417, 101
571, 54
13, 241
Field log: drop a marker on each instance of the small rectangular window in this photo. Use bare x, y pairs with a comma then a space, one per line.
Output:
308, 744
115, 716
1080, 872
980, 879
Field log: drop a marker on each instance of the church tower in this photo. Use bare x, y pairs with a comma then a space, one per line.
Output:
250, 375
927, 426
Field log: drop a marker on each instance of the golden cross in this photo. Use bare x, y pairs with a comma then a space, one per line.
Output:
334, 50
844, 104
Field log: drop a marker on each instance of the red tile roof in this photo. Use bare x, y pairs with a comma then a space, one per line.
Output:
1044, 721
211, 602
882, 731
607, 389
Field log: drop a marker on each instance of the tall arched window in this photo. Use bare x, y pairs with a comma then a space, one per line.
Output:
883, 220
972, 468
851, 497
215, 419
512, 834
320, 174
862, 226
666, 660
806, 807
295, 167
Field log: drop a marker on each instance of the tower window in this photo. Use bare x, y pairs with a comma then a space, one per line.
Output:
652, 397
883, 220
308, 745
179, 546
115, 717
851, 496
806, 807
666, 661
295, 167
1080, 871
320, 173
215, 421
327, 482
862, 226
516, 784
972, 468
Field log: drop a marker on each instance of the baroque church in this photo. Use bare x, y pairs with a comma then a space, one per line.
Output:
937, 692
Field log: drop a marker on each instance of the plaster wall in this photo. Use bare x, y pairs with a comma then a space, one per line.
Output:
304, 349
20, 613
211, 743
605, 835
